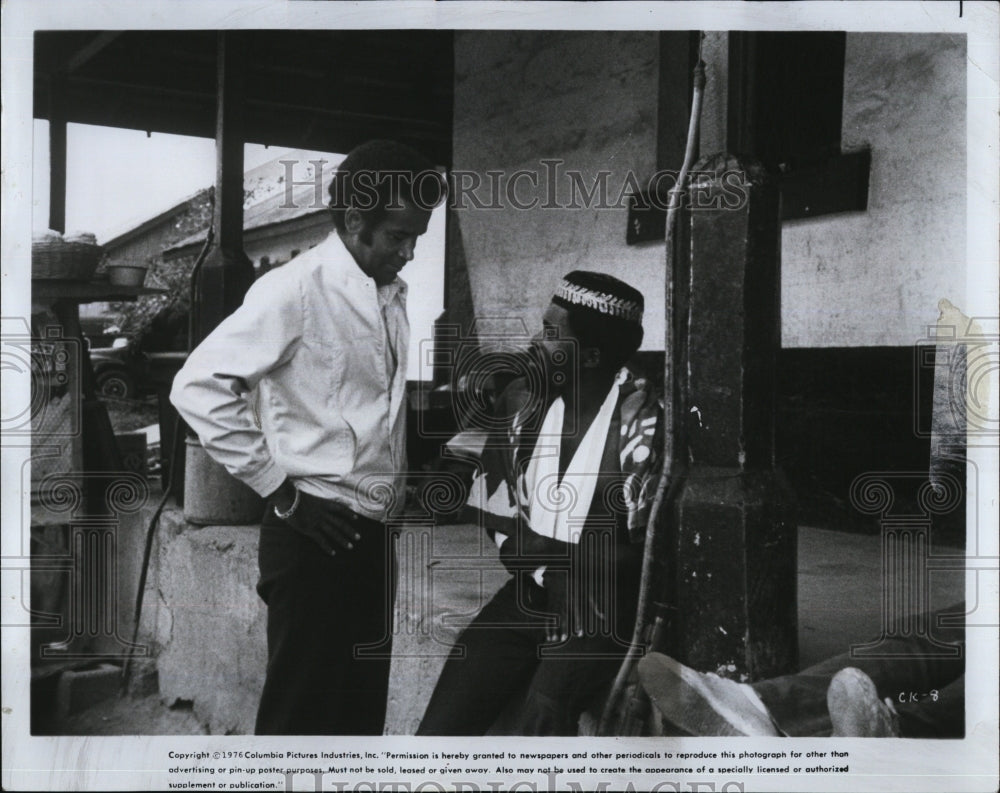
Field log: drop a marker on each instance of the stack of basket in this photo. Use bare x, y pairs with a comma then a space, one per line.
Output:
73, 257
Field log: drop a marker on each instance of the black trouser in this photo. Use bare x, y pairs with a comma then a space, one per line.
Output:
329, 632
502, 651
926, 687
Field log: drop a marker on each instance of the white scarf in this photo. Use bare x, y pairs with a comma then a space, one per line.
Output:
558, 509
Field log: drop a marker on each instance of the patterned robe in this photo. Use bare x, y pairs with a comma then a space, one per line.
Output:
498, 497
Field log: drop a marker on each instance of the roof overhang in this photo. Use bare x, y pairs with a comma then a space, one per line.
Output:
321, 90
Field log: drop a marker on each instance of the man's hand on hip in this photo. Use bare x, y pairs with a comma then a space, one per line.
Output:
330, 525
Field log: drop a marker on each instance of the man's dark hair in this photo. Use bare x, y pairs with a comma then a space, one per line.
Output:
381, 174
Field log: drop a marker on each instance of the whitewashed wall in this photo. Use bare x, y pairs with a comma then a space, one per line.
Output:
855, 279
589, 99
875, 278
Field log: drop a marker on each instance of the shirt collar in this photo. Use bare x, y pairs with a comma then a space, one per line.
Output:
343, 262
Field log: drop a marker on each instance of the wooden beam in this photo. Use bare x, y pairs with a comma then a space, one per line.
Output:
89, 50
292, 100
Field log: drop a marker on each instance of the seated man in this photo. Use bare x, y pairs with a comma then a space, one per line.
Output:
564, 490
922, 692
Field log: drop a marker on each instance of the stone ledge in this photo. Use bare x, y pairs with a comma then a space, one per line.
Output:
210, 626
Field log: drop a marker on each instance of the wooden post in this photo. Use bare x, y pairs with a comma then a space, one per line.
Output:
734, 586
211, 494
227, 273
57, 157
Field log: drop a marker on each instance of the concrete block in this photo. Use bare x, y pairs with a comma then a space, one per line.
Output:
143, 678
81, 689
211, 625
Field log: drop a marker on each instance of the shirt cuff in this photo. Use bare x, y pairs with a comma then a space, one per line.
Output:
266, 480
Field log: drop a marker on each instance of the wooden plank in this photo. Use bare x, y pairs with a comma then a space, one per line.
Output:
838, 184
86, 291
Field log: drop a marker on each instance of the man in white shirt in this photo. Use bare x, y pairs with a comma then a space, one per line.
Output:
323, 339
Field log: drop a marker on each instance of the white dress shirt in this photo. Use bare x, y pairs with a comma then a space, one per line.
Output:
327, 349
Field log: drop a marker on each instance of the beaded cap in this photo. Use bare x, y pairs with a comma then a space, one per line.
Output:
602, 293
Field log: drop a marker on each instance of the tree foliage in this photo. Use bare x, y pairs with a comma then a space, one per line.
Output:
148, 319
156, 321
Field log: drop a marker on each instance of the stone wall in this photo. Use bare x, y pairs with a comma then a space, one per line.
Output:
203, 620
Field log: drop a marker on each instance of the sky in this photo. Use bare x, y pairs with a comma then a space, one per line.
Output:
118, 178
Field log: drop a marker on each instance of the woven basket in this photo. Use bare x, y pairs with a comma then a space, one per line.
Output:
74, 261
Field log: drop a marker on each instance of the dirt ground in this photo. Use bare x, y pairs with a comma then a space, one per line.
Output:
148, 715
128, 415
831, 564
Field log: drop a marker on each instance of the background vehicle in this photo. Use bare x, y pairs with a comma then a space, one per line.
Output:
121, 370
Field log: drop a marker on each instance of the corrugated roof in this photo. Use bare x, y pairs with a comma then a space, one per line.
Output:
157, 219
270, 211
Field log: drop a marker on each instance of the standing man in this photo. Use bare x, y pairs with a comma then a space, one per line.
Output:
564, 490
324, 340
